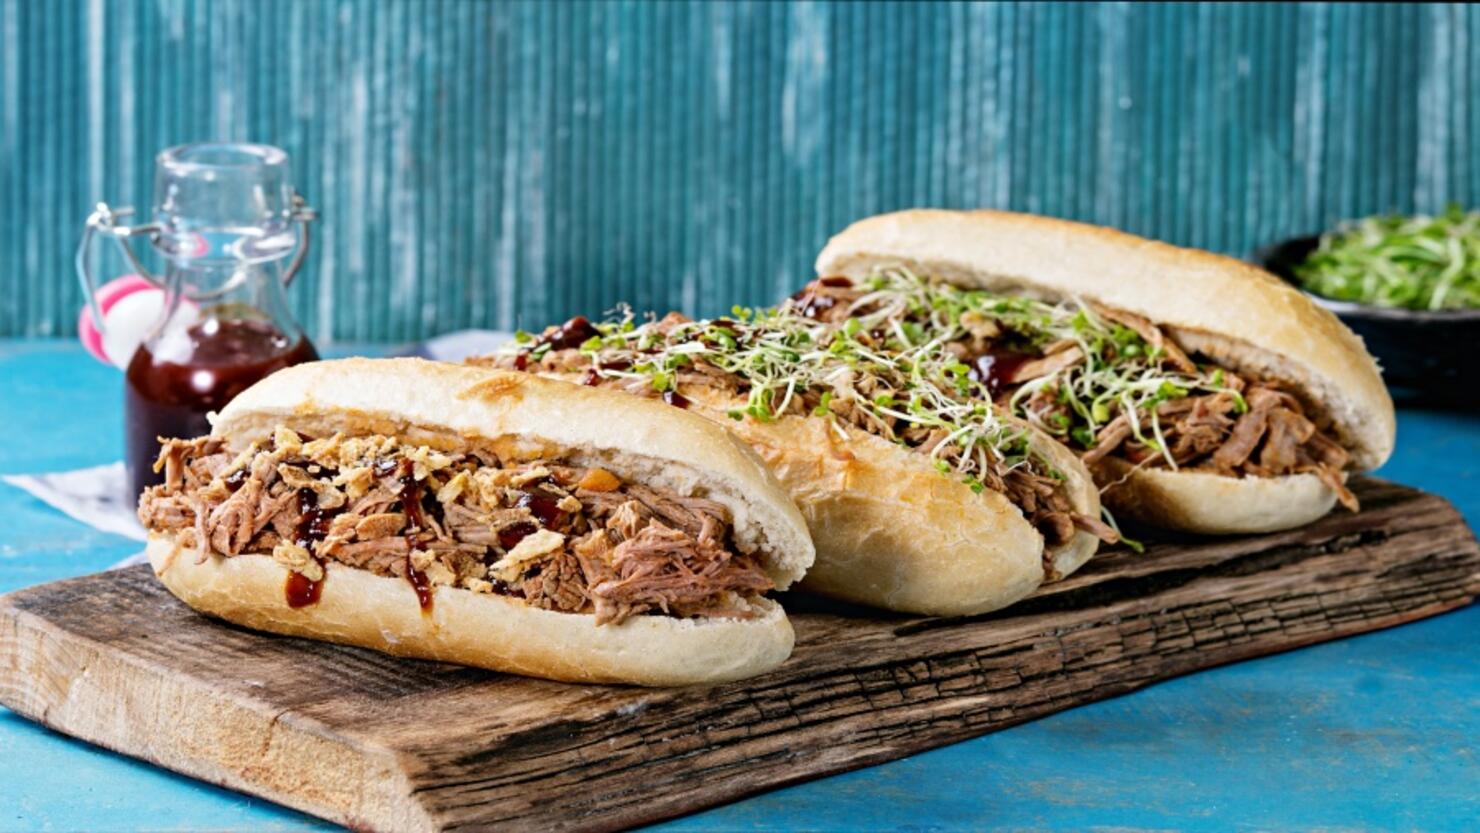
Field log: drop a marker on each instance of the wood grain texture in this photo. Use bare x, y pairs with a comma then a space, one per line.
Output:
376, 742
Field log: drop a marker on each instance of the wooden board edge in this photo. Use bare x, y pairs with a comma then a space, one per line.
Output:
101, 697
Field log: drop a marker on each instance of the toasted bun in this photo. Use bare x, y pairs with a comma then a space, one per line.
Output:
360, 608
1235, 313
893, 532
514, 414
449, 405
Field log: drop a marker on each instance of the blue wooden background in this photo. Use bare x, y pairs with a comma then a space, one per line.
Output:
491, 164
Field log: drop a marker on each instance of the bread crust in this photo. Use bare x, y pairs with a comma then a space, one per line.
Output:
383, 613
1236, 314
519, 416
1211, 504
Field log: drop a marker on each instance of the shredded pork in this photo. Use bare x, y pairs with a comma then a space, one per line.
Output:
527, 530
1271, 437
1269, 434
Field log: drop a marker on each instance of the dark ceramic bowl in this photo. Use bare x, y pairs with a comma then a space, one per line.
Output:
1426, 357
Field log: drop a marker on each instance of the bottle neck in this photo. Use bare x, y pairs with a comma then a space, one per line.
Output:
238, 308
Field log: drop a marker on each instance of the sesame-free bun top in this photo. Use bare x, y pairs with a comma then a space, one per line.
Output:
447, 406
1236, 314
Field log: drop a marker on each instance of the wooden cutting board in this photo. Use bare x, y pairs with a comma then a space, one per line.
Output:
388, 744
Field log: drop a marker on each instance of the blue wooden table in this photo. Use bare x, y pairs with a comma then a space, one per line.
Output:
1379, 732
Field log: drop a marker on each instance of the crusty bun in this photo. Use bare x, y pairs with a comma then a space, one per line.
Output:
893, 532
1211, 504
360, 608
516, 415
1238, 315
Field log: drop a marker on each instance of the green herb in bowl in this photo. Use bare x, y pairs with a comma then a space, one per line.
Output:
1422, 263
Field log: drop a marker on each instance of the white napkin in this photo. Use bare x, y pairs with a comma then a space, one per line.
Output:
94, 495
454, 347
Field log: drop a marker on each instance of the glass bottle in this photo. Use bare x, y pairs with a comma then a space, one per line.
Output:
226, 220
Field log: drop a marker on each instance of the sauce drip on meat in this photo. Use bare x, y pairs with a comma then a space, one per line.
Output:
302, 591
813, 304
419, 583
542, 507
313, 525
572, 333
676, 399
994, 370
409, 490
592, 377
510, 536
235, 480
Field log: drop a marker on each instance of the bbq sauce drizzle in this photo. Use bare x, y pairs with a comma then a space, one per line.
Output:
313, 526
419, 582
410, 491
314, 523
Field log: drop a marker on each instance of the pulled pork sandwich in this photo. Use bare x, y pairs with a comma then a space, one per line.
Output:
1204, 394
920, 496
481, 517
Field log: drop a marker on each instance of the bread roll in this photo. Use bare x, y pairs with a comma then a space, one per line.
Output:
515, 416
1235, 314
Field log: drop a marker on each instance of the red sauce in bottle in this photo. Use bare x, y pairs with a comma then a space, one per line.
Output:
166, 398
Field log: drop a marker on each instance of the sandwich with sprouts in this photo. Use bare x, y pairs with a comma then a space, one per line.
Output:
920, 495
1204, 394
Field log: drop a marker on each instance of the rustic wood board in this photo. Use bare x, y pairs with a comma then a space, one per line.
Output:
376, 742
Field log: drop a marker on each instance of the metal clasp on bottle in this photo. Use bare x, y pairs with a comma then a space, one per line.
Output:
105, 220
